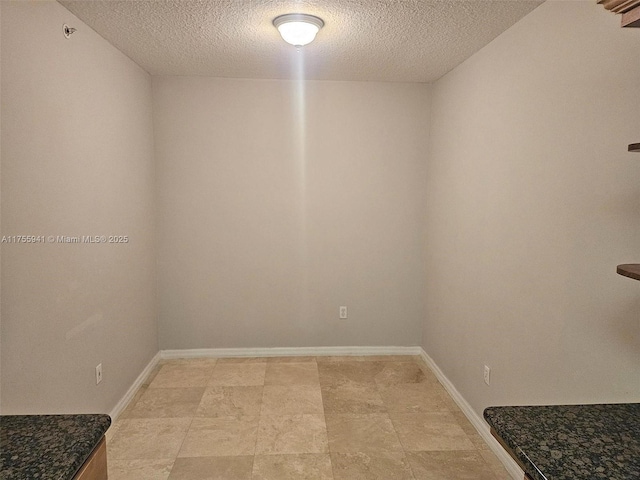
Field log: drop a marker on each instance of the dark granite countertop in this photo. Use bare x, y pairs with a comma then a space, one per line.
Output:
572, 442
47, 447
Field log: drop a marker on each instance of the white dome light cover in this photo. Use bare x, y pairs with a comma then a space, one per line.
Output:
298, 29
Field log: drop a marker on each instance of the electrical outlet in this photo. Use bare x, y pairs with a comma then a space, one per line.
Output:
343, 313
487, 375
98, 373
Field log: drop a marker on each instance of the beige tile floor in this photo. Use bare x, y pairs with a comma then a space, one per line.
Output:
316, 418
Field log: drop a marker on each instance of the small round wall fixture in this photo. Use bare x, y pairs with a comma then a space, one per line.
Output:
298, 29
67, 31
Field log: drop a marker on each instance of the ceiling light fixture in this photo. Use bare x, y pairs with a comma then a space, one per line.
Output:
298, 29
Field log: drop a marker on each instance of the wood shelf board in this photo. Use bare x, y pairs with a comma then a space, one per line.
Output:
634, 147
631, 270
619, 6
631, 18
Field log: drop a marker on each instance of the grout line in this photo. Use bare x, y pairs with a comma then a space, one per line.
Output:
190, 424
255, 444
182, 443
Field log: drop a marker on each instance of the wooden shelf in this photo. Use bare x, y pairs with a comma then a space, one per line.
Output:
631, 270
631, 18
629, 10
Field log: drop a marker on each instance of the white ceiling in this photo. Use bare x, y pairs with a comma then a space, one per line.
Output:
375, 40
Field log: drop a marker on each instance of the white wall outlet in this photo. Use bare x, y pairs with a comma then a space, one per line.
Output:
487, 375
343, 313
98, 373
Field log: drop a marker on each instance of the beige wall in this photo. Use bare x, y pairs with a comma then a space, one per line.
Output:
77, 159
278, 202
532, 202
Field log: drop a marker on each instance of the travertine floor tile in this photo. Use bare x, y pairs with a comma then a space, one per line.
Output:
469, 429
400, 372
430, 431
458, 465
426, 370
152, 375
370, 433
196, 362
291, 359
414, 397
219, 437
340, 373
158, 438
450, 403
212, 468
363, 466
238, 374
139, 469
285, 400
464, 423
290, 373
230, 402
496, 465
113, 429
167, 402
391, 358
352, 398
366, 358
242, 360
292, 467
340, 358
132, 403
380, 417
284, 434
182, 375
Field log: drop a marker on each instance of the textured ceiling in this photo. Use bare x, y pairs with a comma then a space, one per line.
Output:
376, 40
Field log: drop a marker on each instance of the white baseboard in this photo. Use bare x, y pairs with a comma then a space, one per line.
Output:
480, 425
289, 352
124, 401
